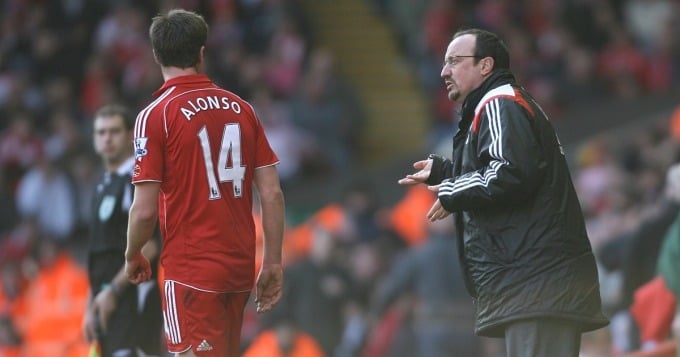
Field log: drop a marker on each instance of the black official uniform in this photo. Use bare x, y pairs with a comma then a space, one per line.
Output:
136, 322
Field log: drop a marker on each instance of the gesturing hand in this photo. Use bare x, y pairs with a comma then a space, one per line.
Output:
437, 211
269, 286
424, 167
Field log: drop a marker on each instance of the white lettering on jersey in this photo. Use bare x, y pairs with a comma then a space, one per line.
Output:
195, 105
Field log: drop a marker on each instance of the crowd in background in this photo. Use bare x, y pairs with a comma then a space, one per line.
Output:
352, 284
571, 53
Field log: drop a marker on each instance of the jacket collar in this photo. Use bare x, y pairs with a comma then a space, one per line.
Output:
496, 79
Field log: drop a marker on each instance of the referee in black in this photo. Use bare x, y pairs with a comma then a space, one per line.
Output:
123, 318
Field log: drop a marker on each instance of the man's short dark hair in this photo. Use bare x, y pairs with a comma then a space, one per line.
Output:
177, 38
113, 110
488, 44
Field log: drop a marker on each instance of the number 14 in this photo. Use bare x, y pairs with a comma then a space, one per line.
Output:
231, 146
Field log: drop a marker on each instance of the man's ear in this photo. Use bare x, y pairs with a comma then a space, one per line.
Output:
201, 55
487, 65
155, 58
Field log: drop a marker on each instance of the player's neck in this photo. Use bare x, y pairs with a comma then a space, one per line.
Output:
173, 72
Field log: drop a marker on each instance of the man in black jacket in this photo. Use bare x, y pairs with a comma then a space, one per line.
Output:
525, 254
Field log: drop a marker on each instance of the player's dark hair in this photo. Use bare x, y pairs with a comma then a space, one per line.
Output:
488, 44
113, 110
177, 38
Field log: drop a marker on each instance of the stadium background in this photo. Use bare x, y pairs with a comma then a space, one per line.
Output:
349, 94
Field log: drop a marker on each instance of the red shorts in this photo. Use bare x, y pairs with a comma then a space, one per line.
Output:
207, 322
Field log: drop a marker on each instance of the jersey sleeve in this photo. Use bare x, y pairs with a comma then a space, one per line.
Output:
149, 144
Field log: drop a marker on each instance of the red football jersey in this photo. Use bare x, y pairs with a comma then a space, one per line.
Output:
203, 143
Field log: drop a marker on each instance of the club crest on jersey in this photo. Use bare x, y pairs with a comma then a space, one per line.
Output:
106, 207
136, 170
140, 148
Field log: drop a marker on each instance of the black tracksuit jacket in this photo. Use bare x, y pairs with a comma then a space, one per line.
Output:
524, 249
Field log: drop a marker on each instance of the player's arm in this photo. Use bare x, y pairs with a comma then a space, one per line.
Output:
270, 278
141, 224
272, 202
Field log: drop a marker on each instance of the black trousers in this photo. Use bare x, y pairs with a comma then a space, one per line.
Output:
542, 337
132, 327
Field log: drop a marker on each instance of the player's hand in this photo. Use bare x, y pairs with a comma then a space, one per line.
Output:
269, 287
424, 167
138, 268
437, 211
104, 304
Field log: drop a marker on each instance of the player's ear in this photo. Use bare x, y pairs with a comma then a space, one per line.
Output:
155, 58
201, 55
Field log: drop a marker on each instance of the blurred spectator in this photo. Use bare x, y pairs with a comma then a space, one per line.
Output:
646, 20
317, 286
362, 207
633, 252
653, 306
668, 266
82, 169
8, 211
567, 53
65, 138
284, 339
443, 315
438, 19
323, 106
121, 33
20, 148
12, 287
579, 85
45, 193
663, 59
286, 55
292, 145
97, 86
55, 296
622, 65
595, 176
10, 341
408, 216
18, 244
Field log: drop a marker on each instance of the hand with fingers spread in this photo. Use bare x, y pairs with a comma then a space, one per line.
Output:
424, 167
269, 287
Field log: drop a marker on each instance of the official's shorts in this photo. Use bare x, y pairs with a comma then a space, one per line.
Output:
207, 322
